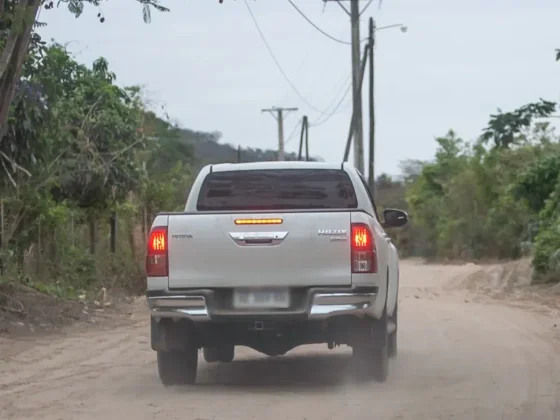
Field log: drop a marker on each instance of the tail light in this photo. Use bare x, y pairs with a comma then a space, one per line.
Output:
364, 255
156, 255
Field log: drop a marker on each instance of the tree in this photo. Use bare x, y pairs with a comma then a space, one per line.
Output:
538, 181
499, 202
17, 19
81, 153
78, 135
505, 128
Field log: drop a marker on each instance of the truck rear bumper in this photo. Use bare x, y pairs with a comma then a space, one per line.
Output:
317, 304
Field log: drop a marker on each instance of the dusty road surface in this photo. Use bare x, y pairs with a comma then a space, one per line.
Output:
461, 356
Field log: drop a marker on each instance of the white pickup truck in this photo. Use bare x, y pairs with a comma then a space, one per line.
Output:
273, 255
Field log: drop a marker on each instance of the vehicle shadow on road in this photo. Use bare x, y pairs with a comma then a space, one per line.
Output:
299, 371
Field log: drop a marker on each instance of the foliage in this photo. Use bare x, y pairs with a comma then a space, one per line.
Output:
539, 186
76, 7
81, 152
538, 181
506, 129
17, 20
477, 202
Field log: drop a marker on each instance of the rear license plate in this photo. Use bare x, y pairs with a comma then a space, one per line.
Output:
261, 298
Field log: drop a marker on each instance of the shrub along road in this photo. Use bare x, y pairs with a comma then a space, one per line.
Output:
462, 355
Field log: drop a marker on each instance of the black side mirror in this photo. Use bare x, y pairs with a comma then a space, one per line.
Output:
394, 218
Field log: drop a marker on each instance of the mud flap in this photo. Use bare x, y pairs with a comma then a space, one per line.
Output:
380, 327
380, 331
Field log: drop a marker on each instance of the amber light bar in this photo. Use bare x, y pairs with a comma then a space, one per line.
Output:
258, 221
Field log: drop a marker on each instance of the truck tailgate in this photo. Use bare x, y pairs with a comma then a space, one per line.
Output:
305, 249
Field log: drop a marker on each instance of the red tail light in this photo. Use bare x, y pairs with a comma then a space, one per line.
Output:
364, 255
156, 255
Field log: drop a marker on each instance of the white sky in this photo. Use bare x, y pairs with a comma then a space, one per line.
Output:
458, 62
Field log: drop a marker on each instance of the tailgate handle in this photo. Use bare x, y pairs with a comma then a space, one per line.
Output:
258, 241
258, 238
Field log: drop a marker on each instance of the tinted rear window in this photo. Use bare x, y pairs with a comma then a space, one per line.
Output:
276, 190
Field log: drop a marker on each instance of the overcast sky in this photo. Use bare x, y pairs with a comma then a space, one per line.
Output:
205, 62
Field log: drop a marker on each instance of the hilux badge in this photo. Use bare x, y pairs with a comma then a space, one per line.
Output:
332, 232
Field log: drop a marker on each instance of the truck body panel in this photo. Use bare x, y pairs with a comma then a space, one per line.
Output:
211, 250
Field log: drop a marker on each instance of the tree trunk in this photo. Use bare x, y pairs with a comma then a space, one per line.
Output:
131, 242
2, 235
39, 267
113, 229
92, 234
20, 253
53, 254
12, 58
7, 53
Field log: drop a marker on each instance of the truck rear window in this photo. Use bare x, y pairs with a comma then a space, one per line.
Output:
277, 189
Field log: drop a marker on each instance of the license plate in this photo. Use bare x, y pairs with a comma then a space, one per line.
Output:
261, 298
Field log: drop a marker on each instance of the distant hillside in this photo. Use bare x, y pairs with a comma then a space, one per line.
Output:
208, 149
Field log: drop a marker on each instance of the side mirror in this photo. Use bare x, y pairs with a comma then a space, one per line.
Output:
394, 218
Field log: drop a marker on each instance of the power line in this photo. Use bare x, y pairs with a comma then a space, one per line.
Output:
329, 115
301, 66
296, 91
334, 111
340, 41
293, 134
322, 120
342, 89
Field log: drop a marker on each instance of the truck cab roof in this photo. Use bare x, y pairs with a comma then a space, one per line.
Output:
365, 202
254, 166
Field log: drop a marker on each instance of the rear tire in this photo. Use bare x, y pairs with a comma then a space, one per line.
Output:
393, 336
372, 362
371, 351
380, 368
178, 367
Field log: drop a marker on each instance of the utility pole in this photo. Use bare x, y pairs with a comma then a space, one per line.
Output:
304, 137
357, 125
353, 119
371, 45
278, 114
356, 90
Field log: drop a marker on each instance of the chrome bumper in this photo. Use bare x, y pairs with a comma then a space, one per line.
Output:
323, 306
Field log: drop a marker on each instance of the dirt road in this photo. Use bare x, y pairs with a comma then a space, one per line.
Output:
461, 356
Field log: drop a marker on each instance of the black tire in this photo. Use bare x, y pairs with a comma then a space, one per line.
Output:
178, 367
393, 336
380, 368
371, 351
226, 354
